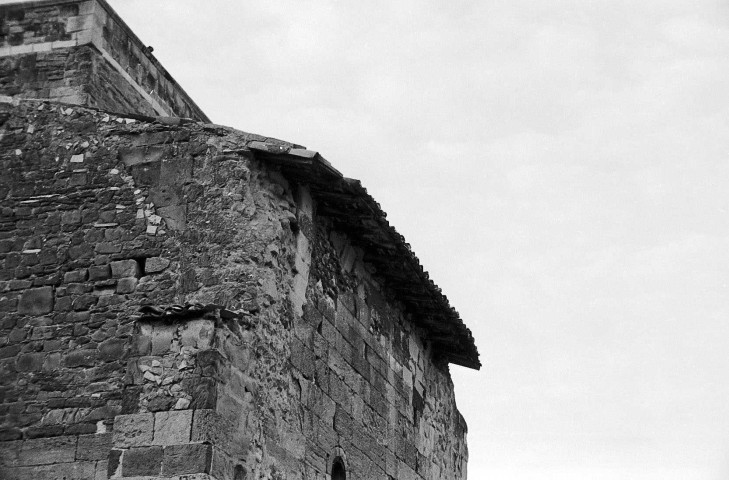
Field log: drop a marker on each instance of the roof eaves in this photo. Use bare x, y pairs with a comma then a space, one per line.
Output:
384, 246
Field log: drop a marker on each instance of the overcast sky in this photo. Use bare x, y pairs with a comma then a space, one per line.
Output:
562, 170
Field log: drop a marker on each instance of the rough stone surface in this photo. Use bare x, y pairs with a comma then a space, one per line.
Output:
141, 461
185, 459
172, 427
133, 430
156, 264
94, 447
36, 301
124, 269
192, 301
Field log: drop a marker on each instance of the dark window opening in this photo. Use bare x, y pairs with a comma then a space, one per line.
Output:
141, 262
338, 470
239, 473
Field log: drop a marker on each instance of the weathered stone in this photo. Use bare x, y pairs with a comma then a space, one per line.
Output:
175, 216
107, 247
30, 362
9, 351
8, 434
202, 390
45, 451
36, 301
162, 336
112, 349
80, 470
84, 302
94, 447
72, 217
80, 358
124, 268
160, 403
126, 285
133, 430
99, 272
155, 264
173, 427
114, 462
186, 459
140, 461
76, 276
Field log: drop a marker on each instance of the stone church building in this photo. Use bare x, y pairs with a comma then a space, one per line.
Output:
184, 300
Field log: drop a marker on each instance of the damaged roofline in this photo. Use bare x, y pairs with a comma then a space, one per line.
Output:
366, 222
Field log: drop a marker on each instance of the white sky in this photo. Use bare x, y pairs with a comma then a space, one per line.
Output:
561, 169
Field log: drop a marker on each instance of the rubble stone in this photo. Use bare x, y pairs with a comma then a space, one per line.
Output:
36, 301
192, 300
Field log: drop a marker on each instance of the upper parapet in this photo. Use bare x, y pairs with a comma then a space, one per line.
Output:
81, 52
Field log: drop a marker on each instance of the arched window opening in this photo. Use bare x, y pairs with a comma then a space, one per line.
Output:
338, 470
239, 473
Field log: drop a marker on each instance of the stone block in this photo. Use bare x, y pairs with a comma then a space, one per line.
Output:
36, 301
405, 472
81, 358
210, 427
175, 216
112, 349
99, 272
94, 447
225, 467
172, 427
322, 406
340, 393
75, 276
29, 362
162, 336
197, 333
65, 471
7, 434
131, 156
112, 465
126, 285
302, 358
161, 402
125, 268
176, 171
186, 459
140, 461
9, 452
46, 451
70, 218
84, 302
343, 422
155, 264
107, 247
202, 390
133, 430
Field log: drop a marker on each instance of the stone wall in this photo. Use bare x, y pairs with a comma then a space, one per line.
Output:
365, 385
61, 74
81, 52
172, 306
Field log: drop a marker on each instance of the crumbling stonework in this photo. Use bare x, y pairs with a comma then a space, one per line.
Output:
150, 289
183, 300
